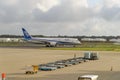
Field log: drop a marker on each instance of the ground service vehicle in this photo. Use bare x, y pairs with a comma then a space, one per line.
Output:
88, 77
91, 56
31, 69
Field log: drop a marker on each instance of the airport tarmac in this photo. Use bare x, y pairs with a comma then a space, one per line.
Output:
14, 60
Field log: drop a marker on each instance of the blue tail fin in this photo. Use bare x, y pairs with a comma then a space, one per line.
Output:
26, 34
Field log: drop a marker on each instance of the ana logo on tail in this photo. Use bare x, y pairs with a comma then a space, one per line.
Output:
26, 34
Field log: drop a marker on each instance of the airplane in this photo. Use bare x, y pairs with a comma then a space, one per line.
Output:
115, 41
50, 42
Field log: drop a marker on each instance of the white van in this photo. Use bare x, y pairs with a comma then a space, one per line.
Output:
88, 77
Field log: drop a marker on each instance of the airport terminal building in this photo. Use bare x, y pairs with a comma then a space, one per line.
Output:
11, 40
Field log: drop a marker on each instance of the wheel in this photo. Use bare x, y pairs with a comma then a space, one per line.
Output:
26, 72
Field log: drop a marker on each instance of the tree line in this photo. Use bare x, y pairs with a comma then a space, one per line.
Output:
60, 36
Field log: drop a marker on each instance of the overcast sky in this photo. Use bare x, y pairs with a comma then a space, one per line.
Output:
60, 17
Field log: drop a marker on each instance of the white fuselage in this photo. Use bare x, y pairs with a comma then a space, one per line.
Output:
54, 41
